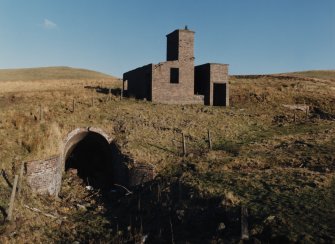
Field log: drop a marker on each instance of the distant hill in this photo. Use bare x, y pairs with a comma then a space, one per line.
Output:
318, 74
50, 73
311, 75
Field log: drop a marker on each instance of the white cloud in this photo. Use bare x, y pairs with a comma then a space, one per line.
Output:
48, 24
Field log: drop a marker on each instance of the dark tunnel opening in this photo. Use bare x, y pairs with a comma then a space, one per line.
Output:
92, 157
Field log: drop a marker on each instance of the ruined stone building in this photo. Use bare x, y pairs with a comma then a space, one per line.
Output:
178, 81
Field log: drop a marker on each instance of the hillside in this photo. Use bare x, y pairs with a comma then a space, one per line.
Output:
49, 73
318, 74
277, 162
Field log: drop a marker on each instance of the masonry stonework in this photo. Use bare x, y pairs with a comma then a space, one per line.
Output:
211, 80
177, 81
45, 176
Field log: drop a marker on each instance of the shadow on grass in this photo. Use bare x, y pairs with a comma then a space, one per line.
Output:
165, 149
105, 90
168, 210
281, 209
4, 214
5, 176
159, 211
228, 146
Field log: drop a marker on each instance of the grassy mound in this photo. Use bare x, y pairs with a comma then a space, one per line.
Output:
318, 74
49, 73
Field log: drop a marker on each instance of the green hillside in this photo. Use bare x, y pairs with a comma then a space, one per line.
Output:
49, 73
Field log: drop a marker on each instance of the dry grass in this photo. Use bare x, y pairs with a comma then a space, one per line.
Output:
318, 74
49, 73
261, 158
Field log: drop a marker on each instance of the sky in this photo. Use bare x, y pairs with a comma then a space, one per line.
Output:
252, 36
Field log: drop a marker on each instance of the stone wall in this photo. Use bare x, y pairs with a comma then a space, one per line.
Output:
193, 85
180, 46
202, 82
127, 171
44, 176
207, 77
219, 74
164, 91
140, 173
153, 82
172, 46
186, 46
180, 55
139, 82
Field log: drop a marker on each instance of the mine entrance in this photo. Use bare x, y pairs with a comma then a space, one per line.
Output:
219, 94
89, 154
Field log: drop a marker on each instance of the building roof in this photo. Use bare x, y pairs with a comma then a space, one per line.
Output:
211, 63
180, 30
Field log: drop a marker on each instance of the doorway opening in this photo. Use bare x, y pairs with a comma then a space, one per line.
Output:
219, 94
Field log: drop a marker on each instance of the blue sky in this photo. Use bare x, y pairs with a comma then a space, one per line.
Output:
258, 36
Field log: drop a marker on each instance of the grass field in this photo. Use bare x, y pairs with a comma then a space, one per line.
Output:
49, 73
280, 168
319, 74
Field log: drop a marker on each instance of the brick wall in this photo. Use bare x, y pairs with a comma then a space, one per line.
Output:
181, 93
195, 84
172, 46
180, 45
186, 46
140, 173
180, 54
139, 82
206, 78
44, 176
219, 75
202, 82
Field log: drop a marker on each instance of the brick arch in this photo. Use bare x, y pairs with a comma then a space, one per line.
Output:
88, 151
78, 134
45, 176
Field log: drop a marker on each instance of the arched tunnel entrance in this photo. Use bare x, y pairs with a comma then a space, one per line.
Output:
90, 154
95, 158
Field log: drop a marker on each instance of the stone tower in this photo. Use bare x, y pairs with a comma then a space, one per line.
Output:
180, 46
180, 49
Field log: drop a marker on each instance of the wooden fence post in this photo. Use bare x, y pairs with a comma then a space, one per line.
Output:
12, 198
92, 97
20, 180
41, 112
244, 223
73, 105
184, 145
209, 139
307, 112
